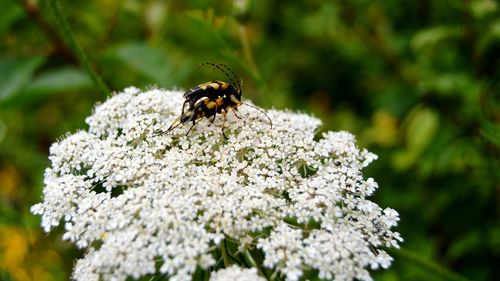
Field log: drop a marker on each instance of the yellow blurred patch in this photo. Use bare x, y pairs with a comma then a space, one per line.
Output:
13, 250
207, 16
384, 129
21, 260
9, 180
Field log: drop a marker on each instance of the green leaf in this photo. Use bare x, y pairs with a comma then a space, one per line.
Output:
490, 37
481, 8
56, 81
15, 73
491, 132
149, 61
447, 83
422, 126
9, 13
465, 243
431, 36
305, 170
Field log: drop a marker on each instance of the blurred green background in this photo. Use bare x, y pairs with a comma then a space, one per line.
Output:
417, 81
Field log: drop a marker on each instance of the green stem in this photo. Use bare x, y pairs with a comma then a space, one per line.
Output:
247, 52
225, 257
427, 264
250, 259
70, 39
59, 47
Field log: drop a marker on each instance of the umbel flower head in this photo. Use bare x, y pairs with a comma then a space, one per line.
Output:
283, 200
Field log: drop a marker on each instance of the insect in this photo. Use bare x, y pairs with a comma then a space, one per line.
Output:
211, 98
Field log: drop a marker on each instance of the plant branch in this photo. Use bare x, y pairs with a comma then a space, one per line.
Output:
59, 47
66, 32
427, 264
225, 257
250, 259
252, 68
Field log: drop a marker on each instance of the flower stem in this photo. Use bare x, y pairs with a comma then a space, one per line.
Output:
247, 50
33, 12
225, 256
252, 67
250, 259
427, 264
70, 39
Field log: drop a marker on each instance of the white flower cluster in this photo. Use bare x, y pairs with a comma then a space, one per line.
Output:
233, 273
144, 203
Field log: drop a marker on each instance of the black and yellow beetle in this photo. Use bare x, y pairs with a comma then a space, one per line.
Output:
211, 98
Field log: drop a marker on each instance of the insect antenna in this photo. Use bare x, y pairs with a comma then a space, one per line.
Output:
262, 111
240, 82
234, 79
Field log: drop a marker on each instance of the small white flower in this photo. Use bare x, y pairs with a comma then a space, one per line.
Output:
145, 203
233, 273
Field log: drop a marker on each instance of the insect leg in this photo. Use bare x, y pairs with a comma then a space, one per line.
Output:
183, 106
173, 125
213, 119
224, 124
234, 111
194, 123
193, 117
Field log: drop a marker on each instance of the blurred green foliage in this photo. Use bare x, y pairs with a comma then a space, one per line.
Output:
417, 81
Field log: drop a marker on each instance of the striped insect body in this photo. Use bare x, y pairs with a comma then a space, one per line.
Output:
211, 98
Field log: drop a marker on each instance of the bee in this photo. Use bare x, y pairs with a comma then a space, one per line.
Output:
211, 98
